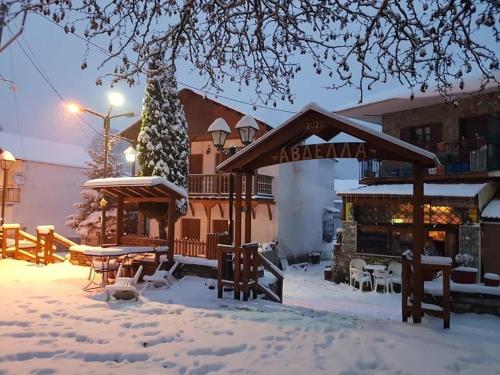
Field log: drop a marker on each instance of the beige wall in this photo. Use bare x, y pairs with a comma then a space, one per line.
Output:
47, 196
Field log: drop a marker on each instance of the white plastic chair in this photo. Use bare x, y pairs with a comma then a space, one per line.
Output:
356, 264
362, 278
382, 278
160, 278
124, 285
396, 269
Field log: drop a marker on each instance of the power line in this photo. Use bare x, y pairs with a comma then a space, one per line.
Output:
105, 51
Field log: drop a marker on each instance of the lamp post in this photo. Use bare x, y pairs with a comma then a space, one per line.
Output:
115, 100
130, 157
6, 162
219, 130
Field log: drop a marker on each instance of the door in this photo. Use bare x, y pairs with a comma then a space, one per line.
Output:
490, 248
191, 228
196, 164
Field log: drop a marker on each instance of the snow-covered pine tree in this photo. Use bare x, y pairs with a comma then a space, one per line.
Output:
163, 144
87, 220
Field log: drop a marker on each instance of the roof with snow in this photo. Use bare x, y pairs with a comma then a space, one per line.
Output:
314, 120
430, 190
492, 210
44, 151
138, 187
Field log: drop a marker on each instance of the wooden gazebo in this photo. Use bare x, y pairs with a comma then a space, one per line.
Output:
152, 189
286, 143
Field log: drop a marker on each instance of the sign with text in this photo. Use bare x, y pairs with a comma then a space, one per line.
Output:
358, 151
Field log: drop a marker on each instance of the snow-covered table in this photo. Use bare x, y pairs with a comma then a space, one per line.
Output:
100, 258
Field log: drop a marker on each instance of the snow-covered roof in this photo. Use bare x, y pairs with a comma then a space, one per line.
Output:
492, 210
346, 185
332, 209
44, 151
430, 190
149, 181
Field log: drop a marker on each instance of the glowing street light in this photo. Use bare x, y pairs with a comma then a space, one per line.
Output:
115, 100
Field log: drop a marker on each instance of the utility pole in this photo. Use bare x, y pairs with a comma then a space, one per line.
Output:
4, 11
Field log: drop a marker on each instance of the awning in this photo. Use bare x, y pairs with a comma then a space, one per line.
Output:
138, 187
430, 190
492, 210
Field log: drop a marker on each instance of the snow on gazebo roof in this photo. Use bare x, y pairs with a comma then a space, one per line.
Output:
492, 210
148, 187
430, 190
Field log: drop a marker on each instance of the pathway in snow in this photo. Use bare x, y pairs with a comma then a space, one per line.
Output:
49, 326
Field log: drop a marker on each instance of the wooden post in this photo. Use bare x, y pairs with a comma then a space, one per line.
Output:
418, 240
171, 229
248, 208
237, 236
119, 221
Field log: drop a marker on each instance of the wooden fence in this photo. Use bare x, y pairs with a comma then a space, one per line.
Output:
200, 249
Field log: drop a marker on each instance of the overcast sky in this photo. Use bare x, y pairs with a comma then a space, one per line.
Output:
35, 109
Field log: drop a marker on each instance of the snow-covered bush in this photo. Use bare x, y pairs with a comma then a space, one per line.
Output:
464, 260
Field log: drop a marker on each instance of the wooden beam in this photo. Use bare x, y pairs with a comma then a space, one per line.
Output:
171, 228
221, 210
248, 207
119, 221
418, 240
254, 206
208, 213
147, 200
269, 211
237, 235
191, 207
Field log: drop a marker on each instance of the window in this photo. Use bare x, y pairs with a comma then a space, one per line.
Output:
191, 228
421, 135
384, 240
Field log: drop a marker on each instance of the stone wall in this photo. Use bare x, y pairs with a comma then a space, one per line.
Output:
447, 114
469, 303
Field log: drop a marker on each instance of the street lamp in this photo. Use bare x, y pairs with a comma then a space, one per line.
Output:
115, 100
219, 130
130, 157
6, 162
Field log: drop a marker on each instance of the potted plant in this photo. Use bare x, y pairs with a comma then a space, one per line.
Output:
464, 273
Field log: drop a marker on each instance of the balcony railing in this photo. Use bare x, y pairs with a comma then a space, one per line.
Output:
13, 194
218, 185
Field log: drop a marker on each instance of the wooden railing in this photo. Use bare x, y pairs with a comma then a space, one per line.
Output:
200, 249
245, 275
13, 194
218, 184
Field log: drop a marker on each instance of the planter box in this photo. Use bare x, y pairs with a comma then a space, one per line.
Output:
491, 279
328, 273
464, 275
314, 258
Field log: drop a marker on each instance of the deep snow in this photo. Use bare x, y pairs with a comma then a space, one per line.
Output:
49, 325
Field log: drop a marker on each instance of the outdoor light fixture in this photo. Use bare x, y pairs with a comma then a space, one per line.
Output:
131, 156
219, 130
116, 99
247, 127
6, 162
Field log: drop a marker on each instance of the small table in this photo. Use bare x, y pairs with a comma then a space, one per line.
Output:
374, 267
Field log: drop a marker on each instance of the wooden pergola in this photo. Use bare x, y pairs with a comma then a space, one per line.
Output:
141, 190
286, 143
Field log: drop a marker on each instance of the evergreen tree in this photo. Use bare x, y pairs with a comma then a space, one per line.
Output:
163, 145
87, 219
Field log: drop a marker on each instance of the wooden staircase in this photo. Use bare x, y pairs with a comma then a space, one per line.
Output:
247, 266
21, 245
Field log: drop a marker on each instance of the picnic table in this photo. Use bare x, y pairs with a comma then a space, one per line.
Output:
105, 259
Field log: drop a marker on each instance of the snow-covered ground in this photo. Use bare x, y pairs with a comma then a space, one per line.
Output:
48, 325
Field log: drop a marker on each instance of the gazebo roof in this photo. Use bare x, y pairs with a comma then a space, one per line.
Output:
314, 120
138, 187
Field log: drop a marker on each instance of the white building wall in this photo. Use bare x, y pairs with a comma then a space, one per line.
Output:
47, 196
303, 190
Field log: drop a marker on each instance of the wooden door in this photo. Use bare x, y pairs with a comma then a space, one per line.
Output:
489, 247
191, 228
196, 164
220, 226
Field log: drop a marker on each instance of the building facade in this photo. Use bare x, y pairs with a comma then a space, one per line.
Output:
208, 210
465, 135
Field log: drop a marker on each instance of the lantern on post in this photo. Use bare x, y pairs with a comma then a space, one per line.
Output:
247, 128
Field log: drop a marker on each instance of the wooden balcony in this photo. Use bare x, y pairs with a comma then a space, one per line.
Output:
13, 194
217, 185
